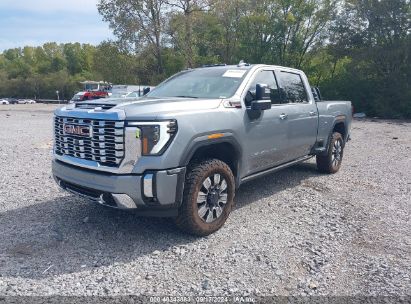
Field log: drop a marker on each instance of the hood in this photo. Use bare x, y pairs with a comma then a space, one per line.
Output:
155, 107
142, 108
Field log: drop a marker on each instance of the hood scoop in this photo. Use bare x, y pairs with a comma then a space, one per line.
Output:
94, 106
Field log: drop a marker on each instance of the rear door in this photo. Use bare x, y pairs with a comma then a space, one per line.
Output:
302, 114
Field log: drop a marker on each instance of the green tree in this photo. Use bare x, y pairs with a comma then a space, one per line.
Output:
187, 11
114, 65
138, 24
74, 56
375, 34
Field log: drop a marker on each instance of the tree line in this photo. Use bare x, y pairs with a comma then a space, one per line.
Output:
355, 50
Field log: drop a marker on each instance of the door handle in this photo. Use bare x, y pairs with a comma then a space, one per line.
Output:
283, 116
312, 113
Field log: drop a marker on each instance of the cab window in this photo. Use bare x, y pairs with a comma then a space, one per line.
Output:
267, 78
293, 87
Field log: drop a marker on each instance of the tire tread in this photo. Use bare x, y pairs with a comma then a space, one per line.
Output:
324, 162
185, 220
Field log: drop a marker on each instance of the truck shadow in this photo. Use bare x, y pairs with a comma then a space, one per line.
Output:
270, 184
69, 235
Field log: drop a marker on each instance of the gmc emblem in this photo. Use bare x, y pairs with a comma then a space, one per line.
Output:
79, 130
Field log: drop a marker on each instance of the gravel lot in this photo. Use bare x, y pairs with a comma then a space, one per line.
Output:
295, 232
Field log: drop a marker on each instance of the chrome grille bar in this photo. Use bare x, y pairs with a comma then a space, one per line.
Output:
104, 145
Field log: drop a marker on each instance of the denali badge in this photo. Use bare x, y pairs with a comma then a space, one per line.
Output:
79, 130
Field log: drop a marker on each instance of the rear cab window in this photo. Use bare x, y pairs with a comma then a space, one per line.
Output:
292, 86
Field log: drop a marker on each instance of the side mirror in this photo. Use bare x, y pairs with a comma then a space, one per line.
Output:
262, 92
146, 91
261, 100
262, 96
260, 105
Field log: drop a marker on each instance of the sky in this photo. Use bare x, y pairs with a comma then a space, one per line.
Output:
34, 22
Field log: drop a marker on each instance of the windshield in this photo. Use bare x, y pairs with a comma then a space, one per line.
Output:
133, 94
118, 95
77, 97
91, 87
202, 83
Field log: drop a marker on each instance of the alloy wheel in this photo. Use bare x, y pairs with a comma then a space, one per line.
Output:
212, 198
337, 151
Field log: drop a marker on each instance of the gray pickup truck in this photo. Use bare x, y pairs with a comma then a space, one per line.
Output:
183, 149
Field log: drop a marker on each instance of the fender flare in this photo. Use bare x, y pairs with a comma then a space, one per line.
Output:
204, 141
337, 120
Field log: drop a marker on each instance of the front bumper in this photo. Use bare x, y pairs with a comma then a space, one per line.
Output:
155, 193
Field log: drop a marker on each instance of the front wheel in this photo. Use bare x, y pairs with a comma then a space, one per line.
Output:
331, 163
208, 198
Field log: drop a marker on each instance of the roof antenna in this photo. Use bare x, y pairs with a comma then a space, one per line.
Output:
242, 64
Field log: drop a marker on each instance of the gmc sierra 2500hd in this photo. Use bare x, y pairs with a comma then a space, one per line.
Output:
183, 149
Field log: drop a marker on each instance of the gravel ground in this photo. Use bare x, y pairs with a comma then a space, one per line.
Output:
295, 232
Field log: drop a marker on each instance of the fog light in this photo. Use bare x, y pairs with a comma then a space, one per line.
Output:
148, 185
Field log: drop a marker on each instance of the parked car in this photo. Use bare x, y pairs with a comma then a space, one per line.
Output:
13, 100
21, 101
134, 94
140, 93
130, 91
89, 95
184, 149
4, 102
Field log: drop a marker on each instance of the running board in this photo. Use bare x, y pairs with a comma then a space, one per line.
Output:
275, 169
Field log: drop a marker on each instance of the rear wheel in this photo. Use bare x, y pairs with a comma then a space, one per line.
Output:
331, 163
208, 198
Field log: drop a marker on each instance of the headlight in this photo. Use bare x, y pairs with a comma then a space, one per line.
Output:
155, 136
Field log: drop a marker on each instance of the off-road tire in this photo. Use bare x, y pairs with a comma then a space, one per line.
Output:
326, 163
188, 218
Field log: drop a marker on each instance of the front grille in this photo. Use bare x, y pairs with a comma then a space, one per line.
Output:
104, 145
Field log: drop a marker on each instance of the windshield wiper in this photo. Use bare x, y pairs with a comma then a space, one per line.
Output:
185, 96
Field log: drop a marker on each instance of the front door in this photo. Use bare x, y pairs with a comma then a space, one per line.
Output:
265, 131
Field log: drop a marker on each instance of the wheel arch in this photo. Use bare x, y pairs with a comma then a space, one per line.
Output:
339, 126
226, 149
